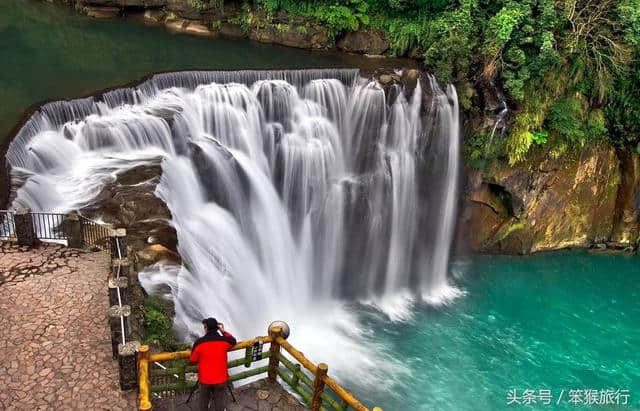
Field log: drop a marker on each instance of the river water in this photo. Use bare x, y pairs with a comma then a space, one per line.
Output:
558, 321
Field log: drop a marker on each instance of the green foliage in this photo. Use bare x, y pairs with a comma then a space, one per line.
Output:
206, 4
540, 137
336, 15
501, 27
158, 324
480, 149
565, 119
570, 120
622, 113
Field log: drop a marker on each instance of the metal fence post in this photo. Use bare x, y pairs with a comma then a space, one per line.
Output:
25, 232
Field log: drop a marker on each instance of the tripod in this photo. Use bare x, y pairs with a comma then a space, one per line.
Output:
195, 388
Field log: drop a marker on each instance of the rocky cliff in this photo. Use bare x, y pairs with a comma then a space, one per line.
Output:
588, 198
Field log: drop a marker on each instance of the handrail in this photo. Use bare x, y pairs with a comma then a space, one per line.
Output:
313, 398
46, 225
341, 392
181, 355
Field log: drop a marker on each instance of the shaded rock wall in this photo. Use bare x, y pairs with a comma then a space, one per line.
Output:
626, 228
590, 198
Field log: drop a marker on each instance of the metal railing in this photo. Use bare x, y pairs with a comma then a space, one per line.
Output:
310, 385
7, 225
93, 232
48, 226
51, 227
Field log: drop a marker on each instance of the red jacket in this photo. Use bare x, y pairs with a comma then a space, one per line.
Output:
210, 352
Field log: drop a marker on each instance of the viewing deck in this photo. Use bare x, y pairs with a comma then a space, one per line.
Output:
163, 386
55, 348
261, 395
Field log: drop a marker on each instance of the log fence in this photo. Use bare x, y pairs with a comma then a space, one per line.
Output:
317, 389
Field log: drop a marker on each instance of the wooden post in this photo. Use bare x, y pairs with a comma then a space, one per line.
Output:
275, 353
143, 378
318, 386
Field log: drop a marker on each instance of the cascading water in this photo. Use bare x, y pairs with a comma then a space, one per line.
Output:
293, 193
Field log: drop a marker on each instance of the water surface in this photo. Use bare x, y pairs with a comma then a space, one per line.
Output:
50, 52
556, 321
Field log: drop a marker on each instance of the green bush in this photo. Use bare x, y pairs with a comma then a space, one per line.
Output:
158, 325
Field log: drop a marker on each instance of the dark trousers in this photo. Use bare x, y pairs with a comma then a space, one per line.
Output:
213, 393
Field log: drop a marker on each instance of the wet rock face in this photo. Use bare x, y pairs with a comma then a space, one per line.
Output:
129, 202
364, 42
627, 219
542, 205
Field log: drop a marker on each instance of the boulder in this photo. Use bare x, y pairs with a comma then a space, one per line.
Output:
154, 253
290, 35
176, 25
198, 29
156, 16
102, 12
372, 42
183, 8
129, 202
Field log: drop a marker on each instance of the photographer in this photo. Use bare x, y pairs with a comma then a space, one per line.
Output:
210, 353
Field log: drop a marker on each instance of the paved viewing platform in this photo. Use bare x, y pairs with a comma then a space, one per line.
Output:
55, 346
259, 396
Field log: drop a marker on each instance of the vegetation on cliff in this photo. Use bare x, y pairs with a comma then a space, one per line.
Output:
158, 325
569, 68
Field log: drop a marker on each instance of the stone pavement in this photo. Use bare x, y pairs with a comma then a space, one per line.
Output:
256, 396
55, 349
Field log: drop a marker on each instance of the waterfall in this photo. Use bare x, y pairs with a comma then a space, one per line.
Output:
291, 192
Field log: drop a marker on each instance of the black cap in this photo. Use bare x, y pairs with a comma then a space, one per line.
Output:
211, 323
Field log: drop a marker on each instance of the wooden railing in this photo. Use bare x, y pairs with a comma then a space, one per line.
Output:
310, 387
